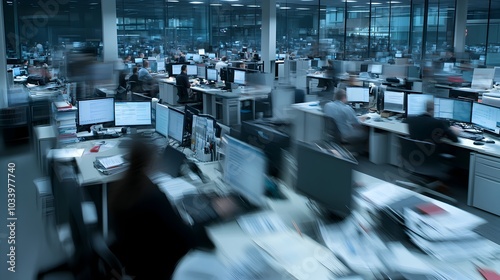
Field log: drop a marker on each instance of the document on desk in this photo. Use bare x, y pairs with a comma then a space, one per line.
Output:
301, 256
174, 188
65, 154
383, 194
254, 265
262, 223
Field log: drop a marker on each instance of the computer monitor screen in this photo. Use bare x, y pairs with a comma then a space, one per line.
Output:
161, 119
197, 58
211, 74
16, 71
244, 170
375, 68
453, 109
133, 113
95, 111
487, 117
138, 60
239, 77
189, 56
270, 140
211, 55
358, 94
192, 70
324, 175
176, 69
394, 101
175, 124
417, 103
189, 112
201, 51
201, 72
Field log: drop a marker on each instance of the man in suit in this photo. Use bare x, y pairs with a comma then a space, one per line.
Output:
182, 81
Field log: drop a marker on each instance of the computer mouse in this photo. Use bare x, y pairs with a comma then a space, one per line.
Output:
478, 143
489, 141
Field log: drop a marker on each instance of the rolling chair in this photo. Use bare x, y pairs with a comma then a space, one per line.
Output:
424, 166
332, 134
88, 254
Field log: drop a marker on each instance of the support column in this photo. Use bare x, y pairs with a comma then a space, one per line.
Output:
3, 61
109, 31
268, 35
460, 26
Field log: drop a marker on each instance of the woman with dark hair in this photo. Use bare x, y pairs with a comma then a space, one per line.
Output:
151, 237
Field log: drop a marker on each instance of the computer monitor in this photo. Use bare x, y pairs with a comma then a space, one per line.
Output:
394, 101
161, 119
211, 74
16, 71
453, 109
176, 69
416, 103
239, 77
486, 116
192, 70
211, 55
324, 175
201, 51
201, 72
189, 112
470, 94
244, 170
358, 94
189, 56
375, 68
175, 124
197, 58
96, 111
138, 60
270, 140
133, 113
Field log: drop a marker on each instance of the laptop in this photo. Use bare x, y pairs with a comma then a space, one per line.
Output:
244, 175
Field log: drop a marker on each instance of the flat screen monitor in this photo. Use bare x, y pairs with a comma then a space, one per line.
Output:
358, 94
244, 170
161, 119
270, 140
192, 70
95, 111
239, 77
189, 56
138, 60
394, 101
189, 112
201, 72
324, 175
175, 124
211, 74
133, 113
486, 116
197, 58
201, 51
176, 69
453, 109
211, 55
416, 103
375, 68
16, 71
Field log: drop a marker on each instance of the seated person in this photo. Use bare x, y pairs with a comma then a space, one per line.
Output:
150, 235
147, 81
350, 127
255, 57
328, 71
182, 80
427, 128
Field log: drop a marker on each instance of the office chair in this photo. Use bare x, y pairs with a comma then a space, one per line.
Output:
89, 257
332, 134
424, 166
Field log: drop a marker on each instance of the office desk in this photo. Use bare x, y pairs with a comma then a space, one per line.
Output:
319, 76
232, 243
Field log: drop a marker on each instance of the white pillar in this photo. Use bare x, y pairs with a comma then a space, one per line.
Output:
3, 62
268, 37
460, 26
109, 32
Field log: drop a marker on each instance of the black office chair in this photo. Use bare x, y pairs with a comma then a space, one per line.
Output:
332, 134
91, 258
424, 166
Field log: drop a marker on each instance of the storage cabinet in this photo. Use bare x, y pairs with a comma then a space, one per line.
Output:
484, 183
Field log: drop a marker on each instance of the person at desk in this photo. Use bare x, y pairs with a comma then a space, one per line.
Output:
328, 71
255, 57
350, 127
181, 58
146, 80
427, 128
221, 64
150, 236
182, 81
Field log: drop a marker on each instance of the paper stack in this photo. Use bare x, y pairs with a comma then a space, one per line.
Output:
64, 119
111, 165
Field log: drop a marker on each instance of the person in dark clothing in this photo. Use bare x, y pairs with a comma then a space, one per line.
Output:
182, 82
151, 237
427, 128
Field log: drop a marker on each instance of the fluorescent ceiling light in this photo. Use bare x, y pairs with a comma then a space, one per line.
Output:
375, 3
196, 2
303, 9
173, 1
285, 8
237, 5
215, 4
253, 6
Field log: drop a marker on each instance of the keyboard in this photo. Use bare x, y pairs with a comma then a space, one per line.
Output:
471, 136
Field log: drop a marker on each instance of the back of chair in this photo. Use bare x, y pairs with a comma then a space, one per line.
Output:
418, 156
182, 92
332, 132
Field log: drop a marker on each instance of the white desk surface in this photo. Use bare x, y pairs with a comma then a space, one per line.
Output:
231, 241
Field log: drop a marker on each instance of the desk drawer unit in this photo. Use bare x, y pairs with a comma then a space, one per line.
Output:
484, 183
